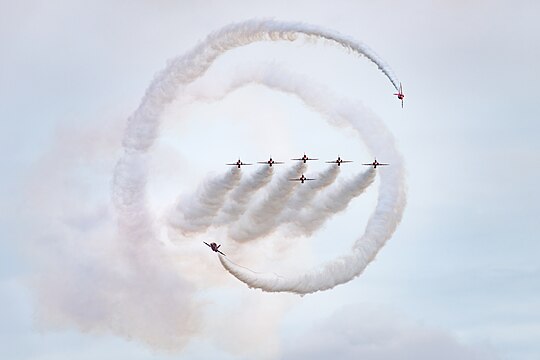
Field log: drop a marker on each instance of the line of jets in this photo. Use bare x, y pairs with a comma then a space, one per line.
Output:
305, 159
215, 247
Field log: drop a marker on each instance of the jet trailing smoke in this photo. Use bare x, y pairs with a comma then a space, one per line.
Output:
261, 219
308, 219
131, 172
306, 193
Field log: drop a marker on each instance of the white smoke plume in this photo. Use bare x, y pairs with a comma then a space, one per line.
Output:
310, 189
262, 218
195, 214
309, 219
273, 214
239, 198
90, 277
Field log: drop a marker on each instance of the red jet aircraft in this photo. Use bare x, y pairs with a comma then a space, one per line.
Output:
214, 247
304, 158
375, 164
270, 162
400, 95
301, 178
338, 161
238, 163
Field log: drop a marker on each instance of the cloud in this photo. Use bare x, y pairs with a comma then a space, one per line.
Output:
88, 275
366, 332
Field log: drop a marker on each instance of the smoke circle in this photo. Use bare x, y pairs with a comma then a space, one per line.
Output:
131, 173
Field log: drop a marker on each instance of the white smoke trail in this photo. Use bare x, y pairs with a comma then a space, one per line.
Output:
309, 219
292, 206
143, 125
391, 199
262, 218
239, 198
310, 189
130, 175
196, 214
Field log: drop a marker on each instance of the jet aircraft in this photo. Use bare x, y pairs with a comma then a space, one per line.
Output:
400, 95
304, 158
270, 162
338, 161
214, 247
375, 164
238, 163
301, 178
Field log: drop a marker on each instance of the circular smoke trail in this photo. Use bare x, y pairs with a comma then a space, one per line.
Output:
392, 192
131, 173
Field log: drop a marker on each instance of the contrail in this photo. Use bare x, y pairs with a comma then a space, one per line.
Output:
136, 224
261, 219
239, 198
196, 214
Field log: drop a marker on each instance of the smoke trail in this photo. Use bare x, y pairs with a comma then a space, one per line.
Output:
130, 174
309, 190
239, 198
391, 198
128, 180
262, 219
143, 125
196, 214
308, 220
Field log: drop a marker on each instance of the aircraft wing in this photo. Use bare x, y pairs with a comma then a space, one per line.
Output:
297, 159
279, 162
346, 161
382, 164
262, 162
369, 164
331, 162
309, 179
206, 243
221, 253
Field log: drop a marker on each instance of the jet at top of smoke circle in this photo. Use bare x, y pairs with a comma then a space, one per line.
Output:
144, 123
131, 172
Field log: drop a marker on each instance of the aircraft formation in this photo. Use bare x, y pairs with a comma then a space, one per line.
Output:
270, 162
305, 159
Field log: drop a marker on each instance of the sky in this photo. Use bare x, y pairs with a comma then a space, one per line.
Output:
458, 279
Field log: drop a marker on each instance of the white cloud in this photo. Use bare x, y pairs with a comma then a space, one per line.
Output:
366, 332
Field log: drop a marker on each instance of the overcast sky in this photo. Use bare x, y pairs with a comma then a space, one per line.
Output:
458, 280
